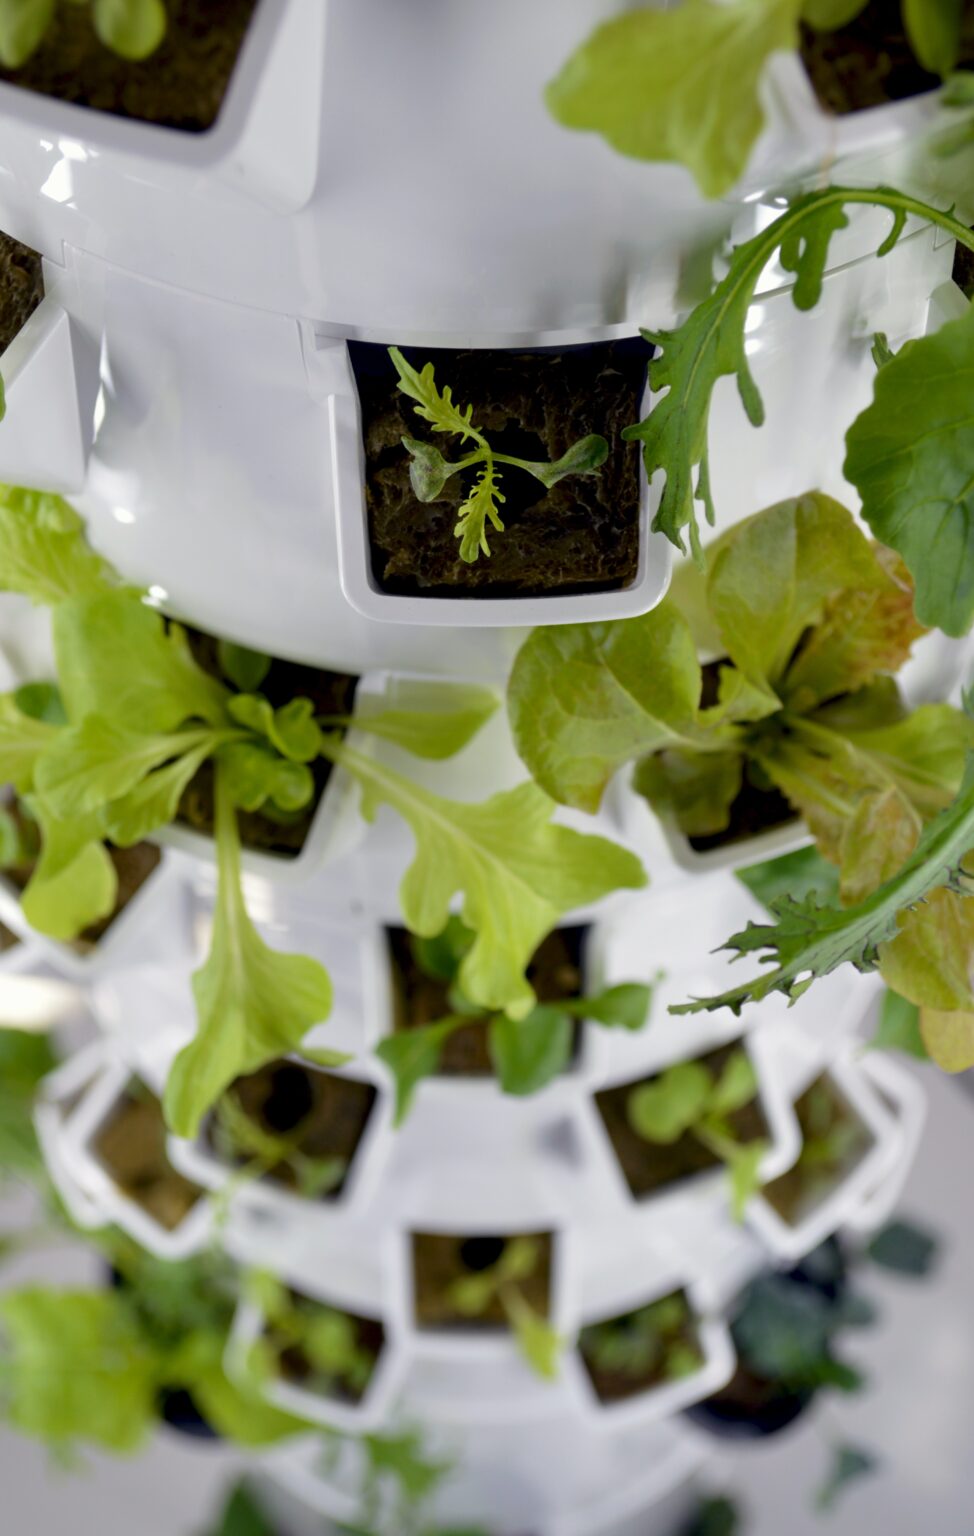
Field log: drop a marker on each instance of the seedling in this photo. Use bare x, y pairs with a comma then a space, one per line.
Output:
641, 1349
429, 471
471, 1295
528, 1053
834, 1141
237, 1137
687, 1099
322, 1348
131, 28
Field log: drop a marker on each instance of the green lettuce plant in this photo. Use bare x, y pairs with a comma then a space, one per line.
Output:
638, 78
653, 1340
131, 28
814, 621
687, 1099
141, 717
429, 471
471, 1295
526, 1053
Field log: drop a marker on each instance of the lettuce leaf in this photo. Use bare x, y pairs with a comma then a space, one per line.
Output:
517, 872
44, 550
253, 1003
640, 80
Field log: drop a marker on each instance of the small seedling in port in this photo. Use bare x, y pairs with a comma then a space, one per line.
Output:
429, 471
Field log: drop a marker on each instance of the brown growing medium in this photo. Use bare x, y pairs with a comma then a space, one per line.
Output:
133, 866
296, 1368
823, 1111
650, 1166
581, 536
131, 1145
332, 693
555, 972
21, 287
440, 1258
320, 1115
870, 61
612, 1384
182, 84
8, 939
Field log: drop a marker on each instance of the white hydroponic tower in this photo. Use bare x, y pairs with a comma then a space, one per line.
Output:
385, 171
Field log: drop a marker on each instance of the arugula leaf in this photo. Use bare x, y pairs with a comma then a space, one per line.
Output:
412, 1054
77, 1368
117, 658
518, 873
529, 1053
44, 551
710, 344
639, 77
582, 458
585, 698
809, 940
253, 1004
907, 456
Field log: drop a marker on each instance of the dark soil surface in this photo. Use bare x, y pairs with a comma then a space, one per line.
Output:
8, 940
555, 972
182, 84
133, 866
870, 61
581, 536
649, 1166
835, 1141
296, 1368
21, 287
963, 273
131, 1145
321, 1115
332, 693
440, 1258
612, 1384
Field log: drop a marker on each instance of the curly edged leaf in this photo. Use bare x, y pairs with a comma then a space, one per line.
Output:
909, 455
809, 940
517, 872
479, 508
252, 1003
710, 344
44, 550
638, 81
431, 403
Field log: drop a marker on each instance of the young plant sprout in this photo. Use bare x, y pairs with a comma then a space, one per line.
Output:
307, 1341
653, 1344
133, 29
526, 1054
237, 1135
429, 470
472, 1294
687, 1099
